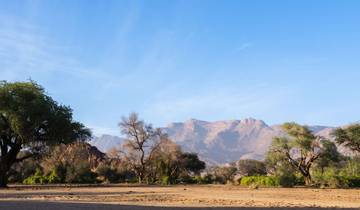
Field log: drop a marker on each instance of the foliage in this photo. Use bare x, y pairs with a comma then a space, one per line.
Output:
165, 166
266, 181
192, 163
80, 174
349, 137
37, 178
350, 167
223, 174
329, 157
33, 120
107, 173
152, 156
287, 180
21, 170
202, 180
251, 167
72, 163
301, 149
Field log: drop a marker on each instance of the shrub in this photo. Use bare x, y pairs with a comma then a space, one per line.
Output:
207, 179
265, 181
186, 179
165, 180
53, 177
37, 178
288, 180
354, 181
329, 178
107, 173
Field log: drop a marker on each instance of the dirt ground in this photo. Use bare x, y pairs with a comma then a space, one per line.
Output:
142, 197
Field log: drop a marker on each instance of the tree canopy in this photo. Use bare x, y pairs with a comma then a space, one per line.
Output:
301, 148
31, 120
349, 137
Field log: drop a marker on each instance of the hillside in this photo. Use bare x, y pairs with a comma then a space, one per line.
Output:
219, 142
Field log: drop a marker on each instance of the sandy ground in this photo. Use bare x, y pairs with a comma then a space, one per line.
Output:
176, 197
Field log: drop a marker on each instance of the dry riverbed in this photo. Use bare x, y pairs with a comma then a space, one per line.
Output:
133, 197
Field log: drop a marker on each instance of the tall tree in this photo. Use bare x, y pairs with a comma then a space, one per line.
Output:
31, 120
301, 148
140, 144
349, 137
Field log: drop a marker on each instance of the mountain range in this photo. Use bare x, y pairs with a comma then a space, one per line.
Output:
219, 142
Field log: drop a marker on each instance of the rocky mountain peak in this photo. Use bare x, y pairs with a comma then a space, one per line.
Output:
219, 142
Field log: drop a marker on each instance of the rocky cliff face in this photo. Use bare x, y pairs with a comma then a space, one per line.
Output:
226, 141
223, 141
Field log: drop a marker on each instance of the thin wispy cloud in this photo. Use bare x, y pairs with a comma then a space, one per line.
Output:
26, 50
106, 60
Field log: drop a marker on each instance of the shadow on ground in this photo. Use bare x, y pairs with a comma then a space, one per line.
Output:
44, 205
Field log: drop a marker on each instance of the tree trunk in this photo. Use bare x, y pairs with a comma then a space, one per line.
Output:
307, 179
6, 161
3, 178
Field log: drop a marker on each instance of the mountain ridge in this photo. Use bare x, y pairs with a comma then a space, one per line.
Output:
222, 141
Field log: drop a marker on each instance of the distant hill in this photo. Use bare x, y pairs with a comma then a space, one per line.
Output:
106, 142
227, 141
219, 142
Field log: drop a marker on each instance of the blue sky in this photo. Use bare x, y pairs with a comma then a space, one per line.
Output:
175, 60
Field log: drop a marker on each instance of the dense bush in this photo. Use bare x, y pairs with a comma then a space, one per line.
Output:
353, 181
106, 173
335, 178
287, 180
265, 181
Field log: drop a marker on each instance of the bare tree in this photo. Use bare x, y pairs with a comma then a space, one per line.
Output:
140, 144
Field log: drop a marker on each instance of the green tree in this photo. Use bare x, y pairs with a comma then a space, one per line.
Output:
248, 167
349, 137
300, 148
31, 120
330, 156
191, 163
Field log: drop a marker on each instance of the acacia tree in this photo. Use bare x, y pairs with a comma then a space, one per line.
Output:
301, 148
140, 143
349, 137
31, 120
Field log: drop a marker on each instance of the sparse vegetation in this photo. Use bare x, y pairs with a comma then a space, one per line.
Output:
42, 144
